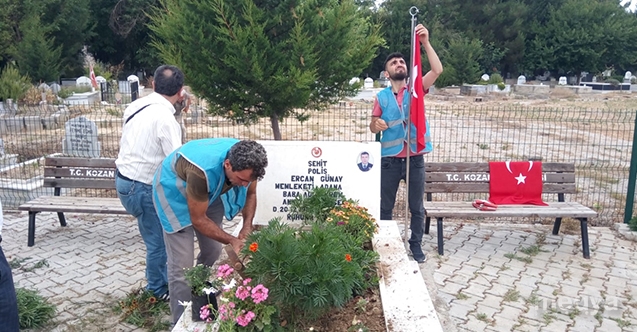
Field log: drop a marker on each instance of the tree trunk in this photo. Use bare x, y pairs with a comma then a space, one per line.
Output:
274, 120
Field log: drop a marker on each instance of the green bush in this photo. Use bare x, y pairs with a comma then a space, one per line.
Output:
495, 78
632, 224
141, 308
501, 86
316, 204
33, 309
308, 271
12, 84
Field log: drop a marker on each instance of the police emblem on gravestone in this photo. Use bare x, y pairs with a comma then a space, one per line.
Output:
80, 138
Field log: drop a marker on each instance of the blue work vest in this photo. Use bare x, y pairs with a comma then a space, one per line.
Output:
393, 138
169, 190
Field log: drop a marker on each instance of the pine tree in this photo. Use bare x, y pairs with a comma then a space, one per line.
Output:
253, 58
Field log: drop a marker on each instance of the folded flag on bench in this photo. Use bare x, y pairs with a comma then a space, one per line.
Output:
515, 182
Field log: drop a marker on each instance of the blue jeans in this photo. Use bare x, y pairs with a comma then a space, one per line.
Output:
392, 171
137, 199
9, 321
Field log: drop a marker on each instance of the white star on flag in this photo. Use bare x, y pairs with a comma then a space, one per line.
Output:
520, 178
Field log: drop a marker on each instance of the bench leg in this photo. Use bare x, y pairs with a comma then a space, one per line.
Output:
585, 247
556, 225
62, 218
427, 224
441, 249
31, 237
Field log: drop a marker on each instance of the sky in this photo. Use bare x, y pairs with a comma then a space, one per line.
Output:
633, 4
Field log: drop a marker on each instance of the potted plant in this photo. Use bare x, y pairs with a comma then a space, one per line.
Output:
204, 292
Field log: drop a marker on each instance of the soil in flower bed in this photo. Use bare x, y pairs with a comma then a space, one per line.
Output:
362, 313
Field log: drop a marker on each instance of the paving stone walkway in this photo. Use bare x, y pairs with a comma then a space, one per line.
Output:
492, 277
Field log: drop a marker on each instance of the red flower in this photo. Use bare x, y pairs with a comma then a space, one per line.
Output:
152, 299
253, 247
348, 257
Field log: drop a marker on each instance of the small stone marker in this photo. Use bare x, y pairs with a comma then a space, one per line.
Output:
485, 77
83, 81
562, 80
80, 138
369, 83
521, 79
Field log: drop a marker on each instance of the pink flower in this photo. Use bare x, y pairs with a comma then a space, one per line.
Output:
224, 271
259, 294
242, 292
246, 281
244, 320
204, 313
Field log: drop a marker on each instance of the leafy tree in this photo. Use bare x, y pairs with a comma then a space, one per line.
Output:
36, 54
253, 59
12, 84
461, 61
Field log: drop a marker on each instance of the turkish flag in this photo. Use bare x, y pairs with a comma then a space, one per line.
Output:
93, 79
417, 102
515, 182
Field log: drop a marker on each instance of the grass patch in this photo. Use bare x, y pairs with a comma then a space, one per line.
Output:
462, 296
520, 258
531, 250
573, 313
142, 309
511, 296
533, 299
34, 310
621, 323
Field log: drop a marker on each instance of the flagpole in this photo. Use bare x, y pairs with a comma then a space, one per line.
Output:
413, 11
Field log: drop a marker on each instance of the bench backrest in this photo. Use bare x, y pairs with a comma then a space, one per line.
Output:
558, 178
69, 172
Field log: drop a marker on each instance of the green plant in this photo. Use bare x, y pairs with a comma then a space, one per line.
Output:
632, 224
495, 78
141, 308
309, 271
501, 86
12, 84
355, 220
34, 310
317, 203
198, 278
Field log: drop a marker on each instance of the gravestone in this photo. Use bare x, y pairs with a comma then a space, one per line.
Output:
44, 87
521, 79
83, 81
594, 79
8, 107
55, 88
369, 83
562, 80
627, 77
485, 77
354, 80
100, 79
80, 138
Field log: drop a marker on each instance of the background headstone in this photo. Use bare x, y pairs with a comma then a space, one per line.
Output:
521, 79
627, 77
80, 138
485, 77
100, 79
562, 80
55, 88
369, 83
44, 87
354, 80
83, 81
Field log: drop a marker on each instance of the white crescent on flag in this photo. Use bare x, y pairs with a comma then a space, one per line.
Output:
508, 163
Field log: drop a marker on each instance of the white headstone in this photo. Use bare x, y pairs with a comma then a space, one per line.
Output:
521, 79
80, 138
562, 80
303, 165
607, 72
354, 80
369, 83
485, 77
132, 78
628, 75
55, 88
594, 79
100, 79
83, 81
44, 87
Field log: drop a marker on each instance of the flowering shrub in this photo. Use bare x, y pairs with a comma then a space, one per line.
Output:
355, 220
244, 305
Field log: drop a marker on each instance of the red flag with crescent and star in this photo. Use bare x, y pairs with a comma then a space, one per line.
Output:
515, 182
92, 74
417, 102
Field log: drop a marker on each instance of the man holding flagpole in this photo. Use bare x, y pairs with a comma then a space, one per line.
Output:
391, 116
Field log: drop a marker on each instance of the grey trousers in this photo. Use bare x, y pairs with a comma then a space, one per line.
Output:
180, 248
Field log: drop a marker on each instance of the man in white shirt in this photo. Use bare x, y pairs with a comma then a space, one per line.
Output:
9, 320
150, 133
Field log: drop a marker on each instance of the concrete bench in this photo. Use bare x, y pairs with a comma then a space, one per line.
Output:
473, 178
74, 173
